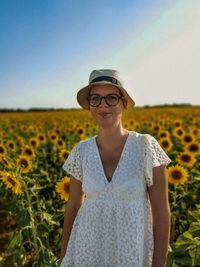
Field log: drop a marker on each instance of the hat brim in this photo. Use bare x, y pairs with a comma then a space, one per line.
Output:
84, 93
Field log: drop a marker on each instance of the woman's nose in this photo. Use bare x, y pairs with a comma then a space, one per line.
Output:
103, 102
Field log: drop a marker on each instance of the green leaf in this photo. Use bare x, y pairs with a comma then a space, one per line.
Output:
23, 218
14, 241
181, 257
42, 229
194, 229
21, 256
170, 259
58, 216
45, 257
195, 255
48, 218
184, 240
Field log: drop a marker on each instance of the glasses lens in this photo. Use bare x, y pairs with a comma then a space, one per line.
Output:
95, 100
112, 100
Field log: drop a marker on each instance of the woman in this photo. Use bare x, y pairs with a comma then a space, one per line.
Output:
117, 214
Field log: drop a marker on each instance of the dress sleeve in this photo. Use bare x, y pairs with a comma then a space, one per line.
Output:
73, 163
154, 156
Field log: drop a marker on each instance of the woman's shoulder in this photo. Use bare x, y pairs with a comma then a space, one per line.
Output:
140, 135
85, 143
144, 136
144, 139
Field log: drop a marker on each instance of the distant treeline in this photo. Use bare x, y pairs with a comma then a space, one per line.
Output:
71, 109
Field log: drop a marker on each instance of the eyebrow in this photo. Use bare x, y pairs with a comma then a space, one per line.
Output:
106, 94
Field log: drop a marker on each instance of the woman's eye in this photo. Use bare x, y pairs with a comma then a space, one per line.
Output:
112, 97
95, 98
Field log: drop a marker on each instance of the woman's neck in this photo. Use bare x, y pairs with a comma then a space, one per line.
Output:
111, 137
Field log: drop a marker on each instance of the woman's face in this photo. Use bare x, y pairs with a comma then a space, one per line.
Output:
107, 116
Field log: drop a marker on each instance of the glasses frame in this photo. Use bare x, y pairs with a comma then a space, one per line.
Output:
101, 97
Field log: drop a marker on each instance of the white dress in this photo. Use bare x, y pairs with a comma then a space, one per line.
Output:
113, 227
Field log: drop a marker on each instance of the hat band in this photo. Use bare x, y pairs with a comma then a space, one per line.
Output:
106, 78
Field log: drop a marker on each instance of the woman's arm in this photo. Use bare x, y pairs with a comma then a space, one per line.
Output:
158, 195
75, 200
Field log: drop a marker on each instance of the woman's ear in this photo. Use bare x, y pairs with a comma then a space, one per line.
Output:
125, 103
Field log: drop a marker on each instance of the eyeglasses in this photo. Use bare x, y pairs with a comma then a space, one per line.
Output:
110, 99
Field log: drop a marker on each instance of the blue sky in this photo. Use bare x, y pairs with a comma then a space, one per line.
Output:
49, 47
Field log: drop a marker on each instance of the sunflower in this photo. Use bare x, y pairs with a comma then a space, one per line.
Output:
80, 131
41, 138
178, 132
62, 188
60, 144
163, 134
33, 142
49, 133
88, 125
66, 130
178, 123
166, 124
28, 152
5, 162
20, 140
24, 163
11, 145
165, 143
126, 125
12, 182
156, 127
57, 130
193, 148
137, 126
2, 150
131, 122
194, 131
186, 159
63, 155
150, 124
187, 139
53, 137
23, 128
177, 175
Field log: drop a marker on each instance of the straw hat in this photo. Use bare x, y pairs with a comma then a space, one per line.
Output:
103, 76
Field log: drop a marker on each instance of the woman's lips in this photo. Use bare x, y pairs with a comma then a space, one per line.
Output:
104, 114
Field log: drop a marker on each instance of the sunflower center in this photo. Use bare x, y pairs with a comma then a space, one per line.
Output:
11, 145
186, 158
11, 181
29, 152
65, 155
180, 132
1, 150
176, 175
24, 162
188, 138
66, 187
80, 131
33, 142
165, 143
193, 148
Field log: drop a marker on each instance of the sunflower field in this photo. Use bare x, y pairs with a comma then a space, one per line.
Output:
34, 188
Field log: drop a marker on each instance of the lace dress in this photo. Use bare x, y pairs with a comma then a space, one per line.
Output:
113, 227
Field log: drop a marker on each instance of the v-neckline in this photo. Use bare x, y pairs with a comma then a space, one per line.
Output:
100, 160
